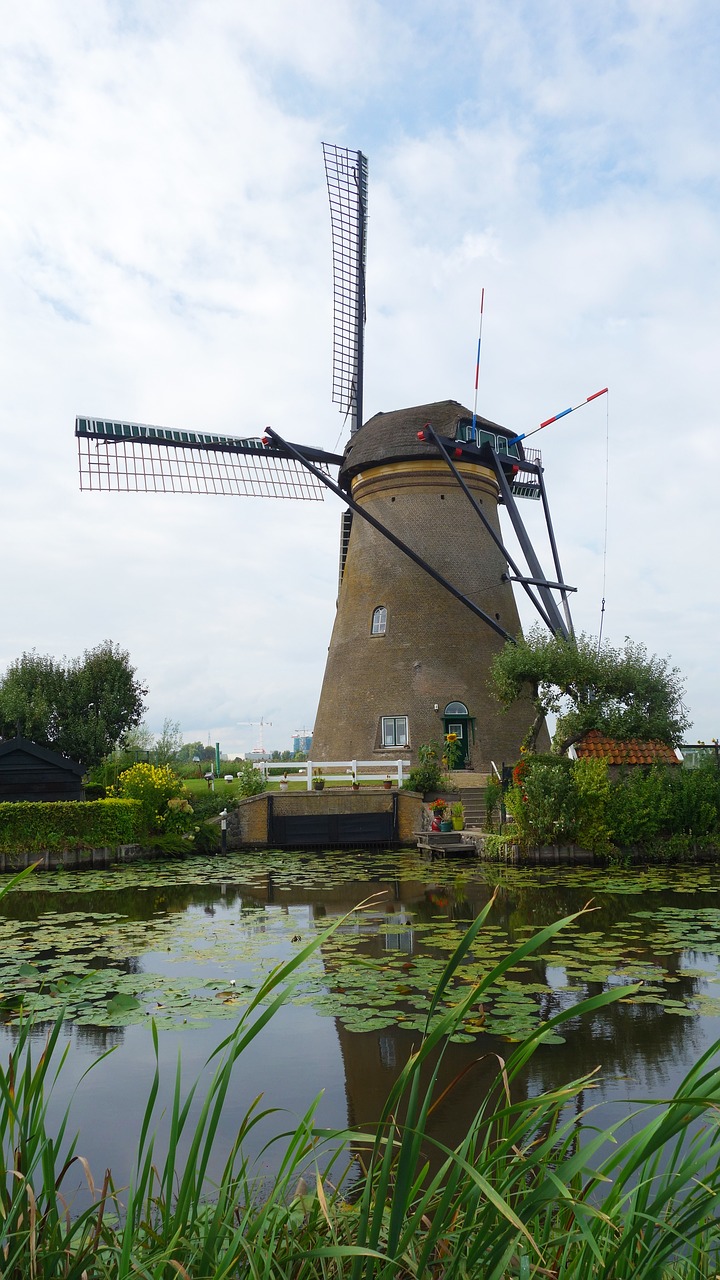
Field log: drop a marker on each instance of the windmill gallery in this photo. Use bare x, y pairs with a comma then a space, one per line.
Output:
426, 580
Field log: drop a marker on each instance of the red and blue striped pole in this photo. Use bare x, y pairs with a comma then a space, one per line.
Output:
477, 363
557, 416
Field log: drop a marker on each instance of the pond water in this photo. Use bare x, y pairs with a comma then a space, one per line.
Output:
185, 943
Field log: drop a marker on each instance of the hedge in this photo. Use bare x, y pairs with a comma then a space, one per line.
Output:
28, 826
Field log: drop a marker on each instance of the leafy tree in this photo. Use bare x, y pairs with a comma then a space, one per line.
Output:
624, 693
138, 741
82, 707
169, 743
29, 695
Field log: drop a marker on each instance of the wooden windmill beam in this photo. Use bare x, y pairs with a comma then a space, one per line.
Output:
524, 582
558, 625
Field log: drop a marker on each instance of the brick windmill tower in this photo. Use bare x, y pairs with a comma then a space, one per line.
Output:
408, 660
426, 596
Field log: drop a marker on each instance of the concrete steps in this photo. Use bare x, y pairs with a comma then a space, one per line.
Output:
471, 787
473, 799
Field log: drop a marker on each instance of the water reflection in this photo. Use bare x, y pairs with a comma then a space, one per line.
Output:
641, 1049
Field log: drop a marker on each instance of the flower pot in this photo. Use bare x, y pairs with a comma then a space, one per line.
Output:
318, 784
387, 784
458, 824
356, 786
283, 786
435, 824
446, 825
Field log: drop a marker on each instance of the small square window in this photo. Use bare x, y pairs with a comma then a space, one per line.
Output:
394, 731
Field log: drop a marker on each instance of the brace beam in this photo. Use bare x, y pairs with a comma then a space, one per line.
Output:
397, 542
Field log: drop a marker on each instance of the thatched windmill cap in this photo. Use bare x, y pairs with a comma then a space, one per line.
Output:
392, 437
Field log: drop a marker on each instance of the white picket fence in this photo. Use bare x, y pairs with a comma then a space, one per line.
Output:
349, 771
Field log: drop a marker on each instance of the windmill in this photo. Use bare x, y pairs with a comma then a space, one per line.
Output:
425, 597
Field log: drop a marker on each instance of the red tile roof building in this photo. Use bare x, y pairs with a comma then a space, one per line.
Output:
596, 745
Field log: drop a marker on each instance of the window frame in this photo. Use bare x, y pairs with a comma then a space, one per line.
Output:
379, 613
394, 720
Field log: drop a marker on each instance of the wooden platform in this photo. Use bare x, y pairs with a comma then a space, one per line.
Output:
446, 844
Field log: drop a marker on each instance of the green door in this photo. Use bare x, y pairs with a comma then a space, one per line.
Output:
457, 720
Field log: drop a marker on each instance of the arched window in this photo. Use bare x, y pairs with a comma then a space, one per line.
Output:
379, 621
456, 709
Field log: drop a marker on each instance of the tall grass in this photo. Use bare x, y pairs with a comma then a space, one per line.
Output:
533, 1190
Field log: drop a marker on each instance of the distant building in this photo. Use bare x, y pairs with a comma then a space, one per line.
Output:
302, 742
257, 756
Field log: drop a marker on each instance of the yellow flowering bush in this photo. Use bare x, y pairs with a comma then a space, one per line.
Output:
164, 806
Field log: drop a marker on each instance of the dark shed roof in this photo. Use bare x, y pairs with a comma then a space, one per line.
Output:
392, 437
31, 772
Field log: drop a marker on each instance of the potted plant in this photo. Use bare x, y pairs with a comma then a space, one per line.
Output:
318, 781
437, 808
355, 784
284, 782
387, 783
458, 815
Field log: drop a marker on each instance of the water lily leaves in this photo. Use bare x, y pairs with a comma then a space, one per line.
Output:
123, 1003
187, 942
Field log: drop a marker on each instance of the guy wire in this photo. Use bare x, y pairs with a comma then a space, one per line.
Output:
605, 538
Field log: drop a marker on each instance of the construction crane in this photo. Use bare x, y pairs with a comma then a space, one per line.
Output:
260, 724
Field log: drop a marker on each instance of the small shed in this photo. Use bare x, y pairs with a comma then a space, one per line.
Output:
623, 754
31, 772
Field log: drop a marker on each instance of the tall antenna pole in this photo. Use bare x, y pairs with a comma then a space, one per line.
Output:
477, 363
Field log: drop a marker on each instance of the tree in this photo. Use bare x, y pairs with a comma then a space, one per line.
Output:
169, 743
138, 742
622, 692
82, 707
29, 694
188, 751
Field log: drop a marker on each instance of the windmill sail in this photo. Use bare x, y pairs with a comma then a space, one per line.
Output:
347, 181
131, 457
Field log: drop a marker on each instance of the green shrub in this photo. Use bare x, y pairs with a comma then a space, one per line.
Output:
250, 779
427, 775
559, 801
493, 796
164, 806
544, 804
663, 811
93, 791
660, 803
592, 788
28, 826
208, 804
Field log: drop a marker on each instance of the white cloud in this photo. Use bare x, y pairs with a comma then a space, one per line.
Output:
165, 257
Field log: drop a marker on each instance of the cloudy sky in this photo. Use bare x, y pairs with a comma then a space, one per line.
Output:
165, 258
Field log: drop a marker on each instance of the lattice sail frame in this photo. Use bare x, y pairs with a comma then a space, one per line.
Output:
347, 182
132, 457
